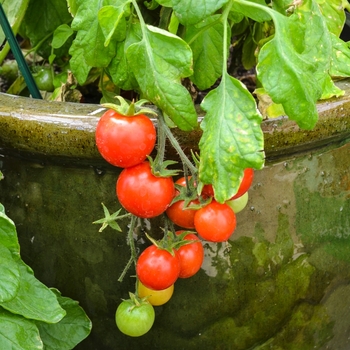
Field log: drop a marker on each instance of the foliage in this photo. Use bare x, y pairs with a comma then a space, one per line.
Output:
162, 50
33, 316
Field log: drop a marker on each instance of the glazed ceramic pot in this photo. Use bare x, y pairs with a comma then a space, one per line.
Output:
280, 282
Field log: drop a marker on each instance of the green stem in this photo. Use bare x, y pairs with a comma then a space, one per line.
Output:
175, 144
224, 16
346, 5
161, 135
133, 254
139, 15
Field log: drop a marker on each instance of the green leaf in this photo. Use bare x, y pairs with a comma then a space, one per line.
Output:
18, 333
207, 51
72, 7
232, 139
331, 90
190, 12
15, 11
68, 332
119, 68
53, 13
250, 44
112, 20
258, 13
159, 61
34, 300
340, 64
166, 3
8, 234
293, 66
88, 49
9, 272
61, 35
333, 12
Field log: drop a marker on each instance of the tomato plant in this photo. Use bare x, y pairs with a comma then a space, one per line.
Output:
143, 194
134, 319
125, 141
215, 222
157, 268
191, 256
117, 47
155, 297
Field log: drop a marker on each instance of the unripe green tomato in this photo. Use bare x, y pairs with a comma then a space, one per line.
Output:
238, 204
44, 79
134, 320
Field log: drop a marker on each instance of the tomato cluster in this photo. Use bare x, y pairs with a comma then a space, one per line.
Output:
213, 221
126, 142
159, 266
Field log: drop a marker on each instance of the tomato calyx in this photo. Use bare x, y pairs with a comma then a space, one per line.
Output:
171, 242
137, 301
189, 194
111, 219
159, 169
130, 109
186, 193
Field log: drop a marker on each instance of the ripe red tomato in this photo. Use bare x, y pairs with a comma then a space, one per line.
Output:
191, 256
215, 222
182, 217
157, 269
246, 182
179, 216
143, 194
125, 141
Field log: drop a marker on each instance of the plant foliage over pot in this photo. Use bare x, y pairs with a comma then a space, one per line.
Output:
164, 50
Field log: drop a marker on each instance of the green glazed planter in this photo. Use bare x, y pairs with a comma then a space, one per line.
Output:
281, 282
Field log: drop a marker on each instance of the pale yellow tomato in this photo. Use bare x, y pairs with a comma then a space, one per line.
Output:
155, 297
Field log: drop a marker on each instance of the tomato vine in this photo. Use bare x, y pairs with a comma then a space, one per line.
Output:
167, 51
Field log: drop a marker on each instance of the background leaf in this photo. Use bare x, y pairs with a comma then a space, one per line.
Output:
61, 35
34, 300
334, 15
293, 66
340, 64
207, 51
191, 12
88, 49
159, 61
68, 332
18, 333
53, 13
112, 20
119, 68
232, 139
15, 11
